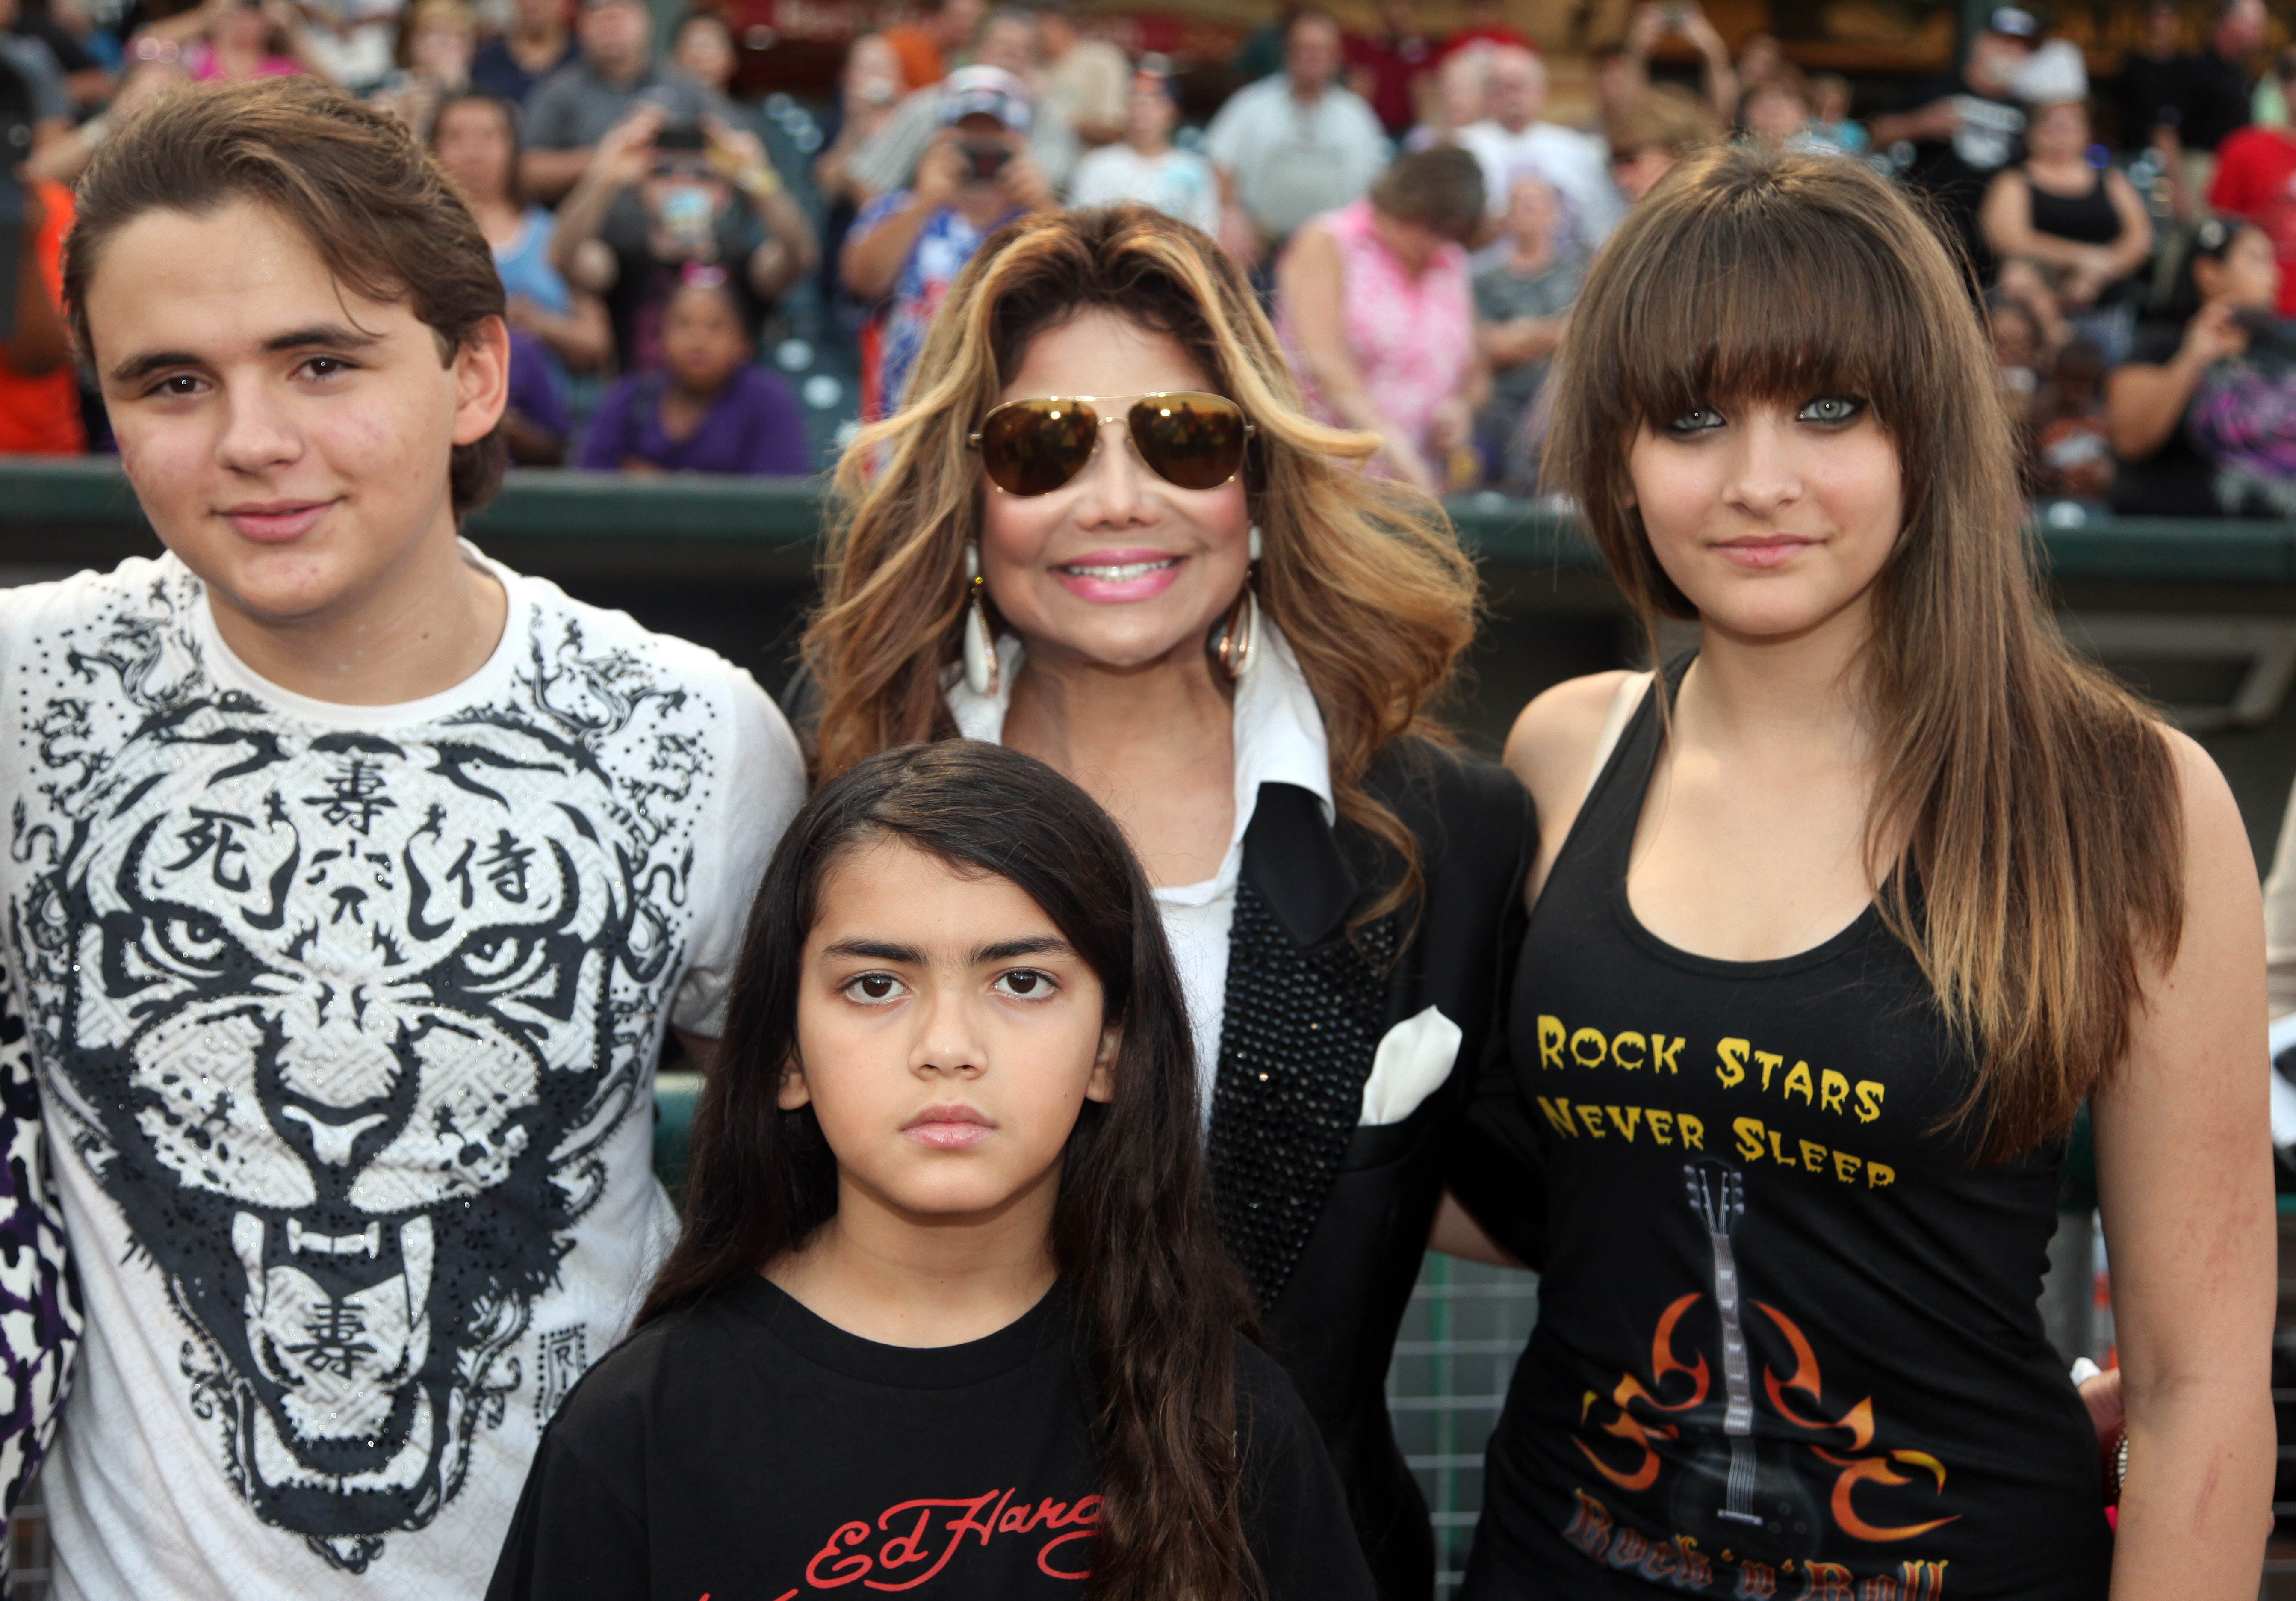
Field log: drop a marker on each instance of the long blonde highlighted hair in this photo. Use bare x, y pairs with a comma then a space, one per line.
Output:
1365, 578
2026, 824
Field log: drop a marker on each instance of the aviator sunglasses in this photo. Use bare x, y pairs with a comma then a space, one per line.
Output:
1191, 440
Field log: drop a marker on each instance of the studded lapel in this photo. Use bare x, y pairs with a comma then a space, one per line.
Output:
1304, 1012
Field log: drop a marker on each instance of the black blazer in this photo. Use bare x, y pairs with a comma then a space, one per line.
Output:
1330, 1221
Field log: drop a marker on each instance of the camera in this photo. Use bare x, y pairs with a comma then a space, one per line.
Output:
985, 160
681, 138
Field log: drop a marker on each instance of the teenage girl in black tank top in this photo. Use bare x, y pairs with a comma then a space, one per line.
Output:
1795, 1204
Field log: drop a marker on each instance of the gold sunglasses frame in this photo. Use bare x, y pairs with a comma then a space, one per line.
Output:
1250, 432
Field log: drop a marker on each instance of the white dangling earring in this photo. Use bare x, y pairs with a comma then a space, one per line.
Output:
1240, 629
982, 669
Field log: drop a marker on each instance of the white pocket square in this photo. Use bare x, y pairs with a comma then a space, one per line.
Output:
1411, 1063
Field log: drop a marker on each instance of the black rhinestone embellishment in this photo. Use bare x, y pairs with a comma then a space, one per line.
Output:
1297, 1040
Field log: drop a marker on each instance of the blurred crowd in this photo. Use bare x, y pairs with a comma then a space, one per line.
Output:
698, 283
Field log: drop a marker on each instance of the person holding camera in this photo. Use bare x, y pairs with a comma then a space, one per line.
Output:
702, 200
907, 247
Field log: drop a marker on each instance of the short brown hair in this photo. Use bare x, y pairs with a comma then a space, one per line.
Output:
350, 177
1440, 189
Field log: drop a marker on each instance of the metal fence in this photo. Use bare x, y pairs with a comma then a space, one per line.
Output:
1466, 1327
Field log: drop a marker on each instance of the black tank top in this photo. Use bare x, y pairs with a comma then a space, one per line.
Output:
1787, 1342
2083, 218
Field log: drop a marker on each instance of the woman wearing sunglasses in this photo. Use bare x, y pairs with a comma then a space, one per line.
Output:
1103, 530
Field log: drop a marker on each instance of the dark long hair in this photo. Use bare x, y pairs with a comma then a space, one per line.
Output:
2025, 826
1160, 1305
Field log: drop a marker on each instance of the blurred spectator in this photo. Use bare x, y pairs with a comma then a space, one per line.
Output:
2085, 229
1627, 75
354, 42
228, 40
571, 112
63, 159
924, 45
1146, 168
1759, 55
475, 138
1663, 125
537, 43
1374, 307
39, 393
666, 204
1829, 115
1523, 304
1512, 144
37, 76
1293, 145
2256, 180
2208, 92
535, 425
85, 79
1007, 42
1461, 98
1776, 112
2149, 73
907, 247
1963, 128
2020, 350
1391, 69
1486, 25
707, 408
701, 46
2072, 443
1262, 54
440, 39
1084, 81
868, 90
2019, 282
2204, 413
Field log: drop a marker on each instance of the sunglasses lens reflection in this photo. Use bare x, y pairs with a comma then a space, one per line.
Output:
1034, 446
1195, 441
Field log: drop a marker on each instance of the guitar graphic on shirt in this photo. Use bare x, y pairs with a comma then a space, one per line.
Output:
1754, 1488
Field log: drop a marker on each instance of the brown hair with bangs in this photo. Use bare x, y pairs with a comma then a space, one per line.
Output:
2025, 826
348, 177
1363, 577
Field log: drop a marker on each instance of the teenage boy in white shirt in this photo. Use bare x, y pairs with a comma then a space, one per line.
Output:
354, 879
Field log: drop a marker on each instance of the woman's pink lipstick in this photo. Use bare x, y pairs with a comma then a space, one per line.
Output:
1764, 550
277, 522
948, 1127
1111, 577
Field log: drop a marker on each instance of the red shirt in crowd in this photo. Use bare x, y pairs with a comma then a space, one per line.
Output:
2256, 179
40, 416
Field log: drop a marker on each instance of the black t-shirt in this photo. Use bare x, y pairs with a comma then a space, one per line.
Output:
747, 1448
1787, 1342
1989, 136
2211, 95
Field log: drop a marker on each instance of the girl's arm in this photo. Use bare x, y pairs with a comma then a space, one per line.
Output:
2144, 403
573, 1537
1310, 282
2184, 1180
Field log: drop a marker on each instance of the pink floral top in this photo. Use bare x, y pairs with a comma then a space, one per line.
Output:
1413, 339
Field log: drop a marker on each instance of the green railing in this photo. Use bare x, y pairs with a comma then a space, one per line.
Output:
43, 499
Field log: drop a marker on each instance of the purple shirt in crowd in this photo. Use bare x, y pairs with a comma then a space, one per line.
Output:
754, 428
